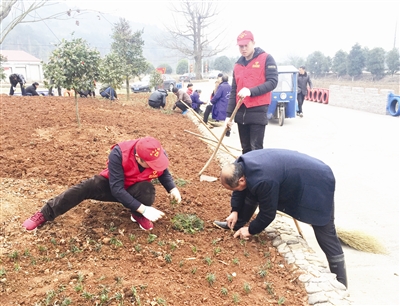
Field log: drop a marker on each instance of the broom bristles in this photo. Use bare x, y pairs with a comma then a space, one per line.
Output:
361, 241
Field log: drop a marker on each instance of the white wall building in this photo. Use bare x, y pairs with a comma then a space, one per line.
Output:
21, 62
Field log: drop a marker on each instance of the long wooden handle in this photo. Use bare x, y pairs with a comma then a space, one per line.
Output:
203, 123
222, 136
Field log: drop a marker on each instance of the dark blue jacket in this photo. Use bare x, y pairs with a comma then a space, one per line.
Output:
220, 101
292, 182
196, 102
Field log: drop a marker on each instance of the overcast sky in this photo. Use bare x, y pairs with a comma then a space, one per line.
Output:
283, 28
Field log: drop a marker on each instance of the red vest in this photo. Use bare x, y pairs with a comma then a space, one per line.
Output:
131, 167
250, 76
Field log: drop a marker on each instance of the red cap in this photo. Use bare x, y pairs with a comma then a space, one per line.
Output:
149, 149
244, 38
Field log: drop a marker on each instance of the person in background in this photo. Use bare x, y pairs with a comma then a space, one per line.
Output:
302, 80
158, 98
182, 96
31, 90
217, 82
109, 93
189, 89
14, 80
196, 102
131, 167
219, 102
255, 76
294, 183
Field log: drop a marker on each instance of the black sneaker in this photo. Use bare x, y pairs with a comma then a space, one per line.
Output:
221, 224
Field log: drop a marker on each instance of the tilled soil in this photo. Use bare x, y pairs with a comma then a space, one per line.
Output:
94, 254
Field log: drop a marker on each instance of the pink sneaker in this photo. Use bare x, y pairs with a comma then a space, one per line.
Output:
144, 223
33, 222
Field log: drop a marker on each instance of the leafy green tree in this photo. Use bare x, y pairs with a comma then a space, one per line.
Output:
355, 61
393, 61
223, 64
339, 63
182, 67
150, 68
2, 60
129, 49
73, 65
296, 61
110, 71
318, 64
168, 68
375, 62
155, 79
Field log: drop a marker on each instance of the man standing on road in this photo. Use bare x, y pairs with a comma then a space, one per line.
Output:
302, 80
255, 76
291, 182
131, 167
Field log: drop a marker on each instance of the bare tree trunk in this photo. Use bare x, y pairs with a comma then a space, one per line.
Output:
78, 119
127, 88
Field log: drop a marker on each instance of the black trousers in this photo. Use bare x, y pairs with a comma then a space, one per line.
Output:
22, 89
326, 235
300, 100
95, 188
181, 106
207, 112
251, 136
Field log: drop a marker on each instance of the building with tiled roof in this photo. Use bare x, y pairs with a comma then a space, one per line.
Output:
21, 62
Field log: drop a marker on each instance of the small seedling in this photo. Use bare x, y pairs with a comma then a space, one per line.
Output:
161, 243
194, 270
281, 300
112, 228
208, 261
53, 241
229, 277
180, 182
14, 255
50, 295
269, 288
66, 302
224, 291
75, 249
118, 280
245, 253
161, 301
168, 258
136, 295
78, 287
247, 288
27, 253
116, 242
173, 246
181, 263
187, 223
262, 273
235, 298
2, 272
151, 238
132, 237
217, 250
138, 248
235, 261
194, 249
210, 278
87, 295
16, 267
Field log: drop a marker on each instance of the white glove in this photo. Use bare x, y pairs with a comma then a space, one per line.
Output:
228, 124
175, 194
152, 213
244, 92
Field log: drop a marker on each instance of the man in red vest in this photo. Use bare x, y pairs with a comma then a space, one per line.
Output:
255, 76
131, 167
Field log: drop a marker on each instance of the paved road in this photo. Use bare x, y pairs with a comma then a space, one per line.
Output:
363, 150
